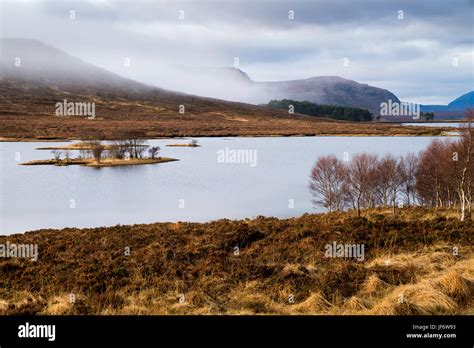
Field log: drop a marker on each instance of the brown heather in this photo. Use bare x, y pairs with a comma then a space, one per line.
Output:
410, 254
27, 112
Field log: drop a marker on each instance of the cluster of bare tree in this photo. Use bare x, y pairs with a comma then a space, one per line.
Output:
445, 174
120, 149
440, 176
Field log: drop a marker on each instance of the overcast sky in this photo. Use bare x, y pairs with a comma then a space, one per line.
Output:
412, 53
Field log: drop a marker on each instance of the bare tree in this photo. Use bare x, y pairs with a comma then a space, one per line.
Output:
360, 173
97, 151
57, 154
135, 147
327, 182
118, 149
384, 170
140, 148
389, 180
153, 151
441, 176
466, 145
396, 182
133, 142
429, 174
408, 167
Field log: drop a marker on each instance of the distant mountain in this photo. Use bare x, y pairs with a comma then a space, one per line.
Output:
33, 61
234, 84
32, 65
463, 102
35, 77
332, 90
453, 110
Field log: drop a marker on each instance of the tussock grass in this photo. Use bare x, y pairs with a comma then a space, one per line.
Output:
357, 304
58, 305
454, 286
316, 303
373, 285
416, 299
410, 255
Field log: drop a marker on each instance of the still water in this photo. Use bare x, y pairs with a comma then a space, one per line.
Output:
199, 187
434, 124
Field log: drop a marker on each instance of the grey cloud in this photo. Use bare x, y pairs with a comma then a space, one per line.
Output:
412, 57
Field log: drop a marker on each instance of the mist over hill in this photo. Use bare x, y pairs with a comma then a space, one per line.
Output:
31, 61
234, 84
32, 70
35, 77
35, 62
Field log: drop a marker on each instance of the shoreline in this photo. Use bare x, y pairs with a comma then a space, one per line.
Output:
443, 133
104, 163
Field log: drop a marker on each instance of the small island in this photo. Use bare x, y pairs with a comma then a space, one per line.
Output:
107, 162
192, 143
95, 154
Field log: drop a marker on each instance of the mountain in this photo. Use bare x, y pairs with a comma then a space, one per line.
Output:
32, 61
454, 110
463, 102
234, 84
46, 65
35, 77
332, 90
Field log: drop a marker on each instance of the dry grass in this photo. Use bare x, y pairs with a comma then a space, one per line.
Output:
440, 284
106, 162
190, 268
27, 112
373, 285
14, 127
58, 305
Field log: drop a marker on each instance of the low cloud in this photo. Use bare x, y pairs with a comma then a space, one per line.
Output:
413, 57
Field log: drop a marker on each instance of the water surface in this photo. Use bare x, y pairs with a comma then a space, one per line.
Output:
196, 188
434, 124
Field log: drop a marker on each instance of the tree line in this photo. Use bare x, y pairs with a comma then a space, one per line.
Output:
442, 175
427, 116
331, 111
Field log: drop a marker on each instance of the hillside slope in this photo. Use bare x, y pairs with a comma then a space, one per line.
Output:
234, 84
30, 90
332, 90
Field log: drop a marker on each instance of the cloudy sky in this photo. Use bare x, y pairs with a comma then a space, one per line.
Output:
420, 50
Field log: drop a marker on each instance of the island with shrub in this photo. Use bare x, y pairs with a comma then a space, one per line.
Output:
96, 154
